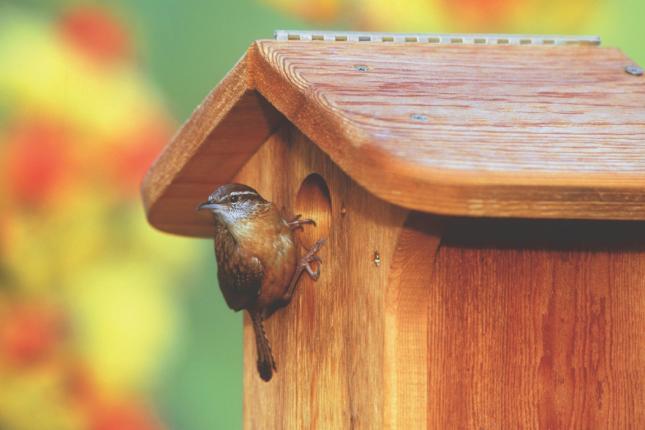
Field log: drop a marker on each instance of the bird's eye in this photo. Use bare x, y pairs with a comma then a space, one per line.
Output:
235, 199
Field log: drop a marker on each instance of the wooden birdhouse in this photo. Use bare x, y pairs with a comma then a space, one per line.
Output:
483, 200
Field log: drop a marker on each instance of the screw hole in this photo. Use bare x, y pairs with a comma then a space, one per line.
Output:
634, 70
419, 117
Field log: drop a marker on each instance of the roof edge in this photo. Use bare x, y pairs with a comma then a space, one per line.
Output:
206, 117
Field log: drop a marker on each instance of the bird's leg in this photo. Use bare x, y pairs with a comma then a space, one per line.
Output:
304, 266
297, 222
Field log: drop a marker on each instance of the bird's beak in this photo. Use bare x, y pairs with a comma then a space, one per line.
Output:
208, 205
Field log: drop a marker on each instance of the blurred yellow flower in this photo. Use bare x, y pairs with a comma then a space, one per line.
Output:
42, 75
82, 126
37, 401
496, 16
398, 16
125, 320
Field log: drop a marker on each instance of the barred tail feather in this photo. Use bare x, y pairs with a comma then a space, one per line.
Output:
265, 363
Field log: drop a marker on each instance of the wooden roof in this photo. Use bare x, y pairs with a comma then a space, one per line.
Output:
499, 131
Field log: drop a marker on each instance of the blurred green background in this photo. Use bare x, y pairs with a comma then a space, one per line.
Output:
105, 323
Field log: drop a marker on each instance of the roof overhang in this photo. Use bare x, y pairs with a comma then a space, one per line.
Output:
494, 130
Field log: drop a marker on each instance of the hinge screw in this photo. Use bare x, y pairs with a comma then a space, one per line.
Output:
634, 70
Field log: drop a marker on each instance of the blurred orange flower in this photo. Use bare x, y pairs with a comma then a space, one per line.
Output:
483, 15
130, 156
30, 333
38, 162
123, 416
96, 32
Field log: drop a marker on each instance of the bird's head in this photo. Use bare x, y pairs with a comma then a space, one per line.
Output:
235, 203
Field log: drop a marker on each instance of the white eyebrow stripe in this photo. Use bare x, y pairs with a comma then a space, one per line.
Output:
242, 193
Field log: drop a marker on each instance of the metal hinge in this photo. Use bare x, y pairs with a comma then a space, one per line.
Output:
446, 39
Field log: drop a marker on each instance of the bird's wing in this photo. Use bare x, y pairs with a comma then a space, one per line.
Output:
240, 284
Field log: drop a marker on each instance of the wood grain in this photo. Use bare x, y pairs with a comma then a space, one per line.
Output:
538, 325
504, 131
513, 131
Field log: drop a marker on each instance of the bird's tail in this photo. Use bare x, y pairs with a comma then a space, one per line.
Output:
265, 363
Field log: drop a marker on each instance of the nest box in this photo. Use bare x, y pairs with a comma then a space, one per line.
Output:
483, 198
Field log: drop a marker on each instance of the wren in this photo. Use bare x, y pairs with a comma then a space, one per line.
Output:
257, 258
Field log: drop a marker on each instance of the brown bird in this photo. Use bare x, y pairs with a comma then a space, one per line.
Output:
257, 258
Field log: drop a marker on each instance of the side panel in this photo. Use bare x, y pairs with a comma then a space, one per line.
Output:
536, 324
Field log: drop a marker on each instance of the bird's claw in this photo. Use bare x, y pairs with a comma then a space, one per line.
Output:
297, 222
314, 275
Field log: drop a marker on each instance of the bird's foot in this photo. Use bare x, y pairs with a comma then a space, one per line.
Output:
304, 265
311, 257
298, 222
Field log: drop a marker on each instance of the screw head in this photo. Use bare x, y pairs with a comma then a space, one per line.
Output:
419, 117
361, 68
634, 70
377, 259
